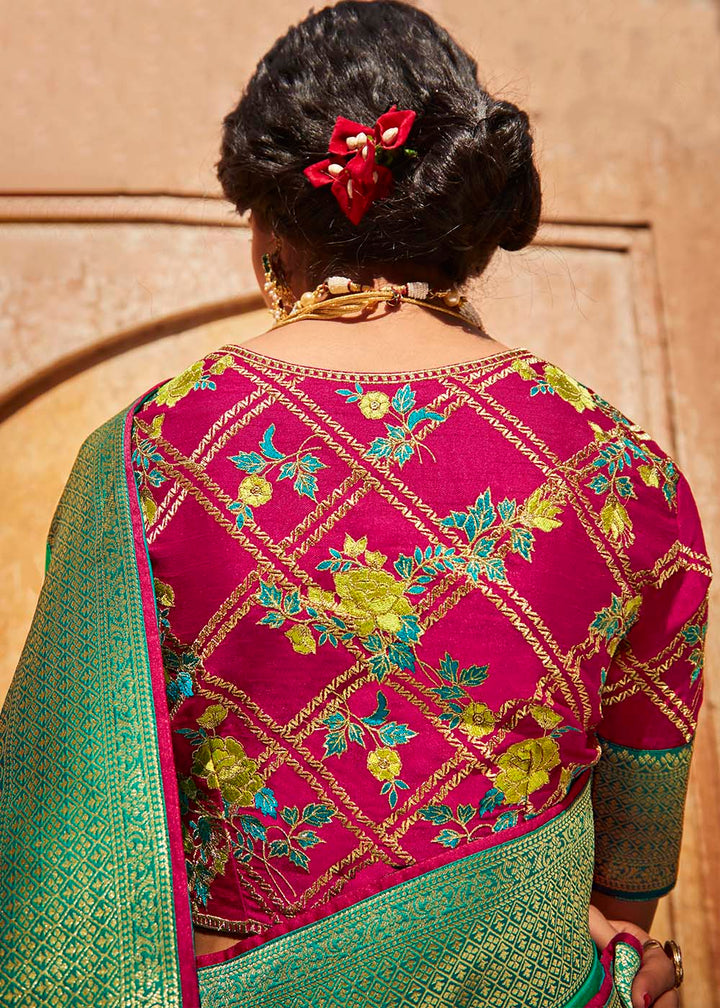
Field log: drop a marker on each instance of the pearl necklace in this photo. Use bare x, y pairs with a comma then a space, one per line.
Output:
337, 296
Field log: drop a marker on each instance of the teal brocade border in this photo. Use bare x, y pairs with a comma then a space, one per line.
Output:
504, 927
638, 803
86, 898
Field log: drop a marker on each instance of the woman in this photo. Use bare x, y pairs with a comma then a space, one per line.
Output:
369, 653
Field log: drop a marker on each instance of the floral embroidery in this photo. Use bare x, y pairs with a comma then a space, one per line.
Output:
694, 633
192, 379
255, 489
506, 527
180, 663
215, 832
144, 457
401, 441
463, 816
556, 382
614, 621
383, 762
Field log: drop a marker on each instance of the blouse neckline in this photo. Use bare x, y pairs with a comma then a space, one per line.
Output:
262, 360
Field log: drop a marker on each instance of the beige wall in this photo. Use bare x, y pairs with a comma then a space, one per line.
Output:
118, 262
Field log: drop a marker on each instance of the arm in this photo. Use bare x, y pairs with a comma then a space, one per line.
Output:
640, 912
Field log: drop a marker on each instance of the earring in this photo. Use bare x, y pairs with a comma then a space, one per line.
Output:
278, 290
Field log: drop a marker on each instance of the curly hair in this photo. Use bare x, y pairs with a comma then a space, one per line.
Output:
472, 187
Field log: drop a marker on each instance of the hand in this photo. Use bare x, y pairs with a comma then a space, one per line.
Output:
654, 983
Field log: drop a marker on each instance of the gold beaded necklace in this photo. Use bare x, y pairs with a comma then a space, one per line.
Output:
338, 296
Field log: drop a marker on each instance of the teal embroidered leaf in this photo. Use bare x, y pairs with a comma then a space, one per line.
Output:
410, 629
273, 619
300, 859
267, 445
624, 487
250, 462
279, 848
307, 838
403, 452
287, 470
599, 483
522, 541
392, 734
473, 675
380, 713
437, 814
380, 448
465, 813
449, 692
490, 801
403, 565
311, 463
350, 396
355, 734
306, 485
484, 547
506, 509
270, 594
290, 815
448, 838
495, 569
417, 415
404, 399
504, 821
401, 655
448, 668
253, 827
317, 815
265, 801
335, 744
395, 433
291, 603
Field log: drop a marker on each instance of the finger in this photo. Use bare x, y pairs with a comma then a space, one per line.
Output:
655, 978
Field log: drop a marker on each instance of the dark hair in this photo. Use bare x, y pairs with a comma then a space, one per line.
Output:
472, 187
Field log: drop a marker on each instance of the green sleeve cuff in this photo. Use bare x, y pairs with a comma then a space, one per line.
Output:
638, 804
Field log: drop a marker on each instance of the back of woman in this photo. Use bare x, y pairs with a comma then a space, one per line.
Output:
410, 623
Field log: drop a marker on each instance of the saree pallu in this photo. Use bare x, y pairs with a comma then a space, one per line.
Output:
94, 906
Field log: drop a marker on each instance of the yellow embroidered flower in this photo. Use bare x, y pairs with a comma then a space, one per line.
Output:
477, 720
524, 370
255, 490
384, 764
373, 598
524, 767
221, 365
539, 511
616, 522
301, 638
354, 547
546, 717
164, 593
374, 405
569, 389
226, 767
374, 558
320, 598
174, 390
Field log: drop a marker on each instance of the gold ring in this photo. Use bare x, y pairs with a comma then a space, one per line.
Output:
652, 942
672, 951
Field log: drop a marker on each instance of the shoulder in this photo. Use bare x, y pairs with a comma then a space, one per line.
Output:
636, 488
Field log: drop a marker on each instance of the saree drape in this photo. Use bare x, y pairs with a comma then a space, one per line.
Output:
94, 905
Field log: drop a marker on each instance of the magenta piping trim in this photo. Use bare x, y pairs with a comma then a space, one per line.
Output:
183, 923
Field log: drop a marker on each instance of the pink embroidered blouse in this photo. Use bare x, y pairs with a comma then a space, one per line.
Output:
404, 615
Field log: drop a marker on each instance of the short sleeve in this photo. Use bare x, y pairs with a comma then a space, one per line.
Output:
650, 700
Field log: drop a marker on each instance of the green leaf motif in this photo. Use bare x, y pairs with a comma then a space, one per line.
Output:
290, 815
267, 446
307, 838
250, 462
380, 713
392, 733
355, 734
448, 838
317, 815
404, 399
437, 814
465, 813
473, 675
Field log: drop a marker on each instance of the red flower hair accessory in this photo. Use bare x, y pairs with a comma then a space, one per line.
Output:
355, 170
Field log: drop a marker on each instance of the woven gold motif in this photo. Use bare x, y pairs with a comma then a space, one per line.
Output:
638, 796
